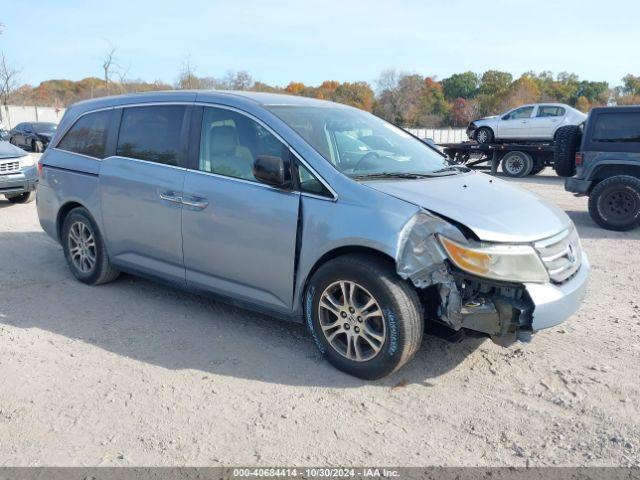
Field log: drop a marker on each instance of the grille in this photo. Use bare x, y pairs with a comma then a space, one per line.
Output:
9, 167
561, 254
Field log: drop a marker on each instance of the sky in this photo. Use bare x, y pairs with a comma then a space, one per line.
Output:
311, 41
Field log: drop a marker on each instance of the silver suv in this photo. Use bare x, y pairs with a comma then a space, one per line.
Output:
307, 210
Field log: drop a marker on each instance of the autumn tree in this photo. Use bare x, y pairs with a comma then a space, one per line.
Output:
356, 94
460, 85
522, 91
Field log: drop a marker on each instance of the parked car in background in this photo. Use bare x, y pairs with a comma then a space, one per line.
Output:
33, 135
307, 210
18, 174
603, 161
537, 122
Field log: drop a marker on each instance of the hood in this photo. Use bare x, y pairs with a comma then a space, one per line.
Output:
10, 151
493, 209
490, 117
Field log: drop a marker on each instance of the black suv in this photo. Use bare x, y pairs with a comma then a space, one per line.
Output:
602, 157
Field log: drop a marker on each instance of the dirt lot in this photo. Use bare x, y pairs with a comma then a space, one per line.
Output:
133, 373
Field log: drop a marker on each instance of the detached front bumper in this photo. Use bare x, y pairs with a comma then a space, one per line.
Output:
553, 304
20, 182
510, 312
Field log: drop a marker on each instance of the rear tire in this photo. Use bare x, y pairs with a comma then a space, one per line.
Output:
567, 141
84, 249
370, 342
484, 135
517, 164
25, 197
614, 203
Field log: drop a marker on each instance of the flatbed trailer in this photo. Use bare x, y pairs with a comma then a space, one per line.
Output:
517, 159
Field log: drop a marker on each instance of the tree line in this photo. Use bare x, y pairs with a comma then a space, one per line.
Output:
407, 99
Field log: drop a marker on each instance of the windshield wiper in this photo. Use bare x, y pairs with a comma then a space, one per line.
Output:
391, 175
454, 168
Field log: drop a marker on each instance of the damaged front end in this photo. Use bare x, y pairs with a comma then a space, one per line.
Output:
501, 310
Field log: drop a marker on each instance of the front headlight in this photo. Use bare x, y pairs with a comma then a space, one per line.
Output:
27, 161
513, 263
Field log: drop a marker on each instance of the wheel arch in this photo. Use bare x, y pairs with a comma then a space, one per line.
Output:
604, 171
64, 210
492, 129
338, 252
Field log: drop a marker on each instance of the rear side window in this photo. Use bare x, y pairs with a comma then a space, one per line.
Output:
550, 111
152, 133
88, 136
617, 127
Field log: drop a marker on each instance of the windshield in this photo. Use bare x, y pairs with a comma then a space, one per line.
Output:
360, 144
45, 127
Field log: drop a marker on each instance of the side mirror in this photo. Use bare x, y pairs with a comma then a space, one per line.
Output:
272, 170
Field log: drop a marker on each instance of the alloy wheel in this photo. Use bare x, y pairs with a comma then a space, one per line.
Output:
82, 247
352, 321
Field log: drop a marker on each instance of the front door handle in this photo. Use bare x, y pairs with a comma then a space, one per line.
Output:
172, 197
199, 203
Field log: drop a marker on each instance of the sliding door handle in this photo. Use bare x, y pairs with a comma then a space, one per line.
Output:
172, 197
198, 203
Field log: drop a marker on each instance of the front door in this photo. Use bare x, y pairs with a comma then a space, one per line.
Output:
239, 234
140, 189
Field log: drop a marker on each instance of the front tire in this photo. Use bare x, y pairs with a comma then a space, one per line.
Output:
364, 319
484, 135
614, 203
25, 197
517, 164
84, 249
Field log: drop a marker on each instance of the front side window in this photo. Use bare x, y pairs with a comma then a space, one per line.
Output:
617, 127
230, 142
88, 136
524, 112
550, 111
360, 144
152, 133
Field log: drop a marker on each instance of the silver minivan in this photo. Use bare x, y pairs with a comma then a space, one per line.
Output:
307, 210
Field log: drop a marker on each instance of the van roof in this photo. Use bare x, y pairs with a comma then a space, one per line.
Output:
261, 98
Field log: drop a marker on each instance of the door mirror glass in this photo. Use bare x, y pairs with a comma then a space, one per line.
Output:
272, 170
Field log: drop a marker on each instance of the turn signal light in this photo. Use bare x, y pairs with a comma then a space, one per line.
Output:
578, 158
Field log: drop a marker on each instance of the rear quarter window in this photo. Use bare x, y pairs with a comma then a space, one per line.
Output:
88, 136
619, 127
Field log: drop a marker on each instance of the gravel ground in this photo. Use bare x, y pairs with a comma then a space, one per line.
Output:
134, 373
